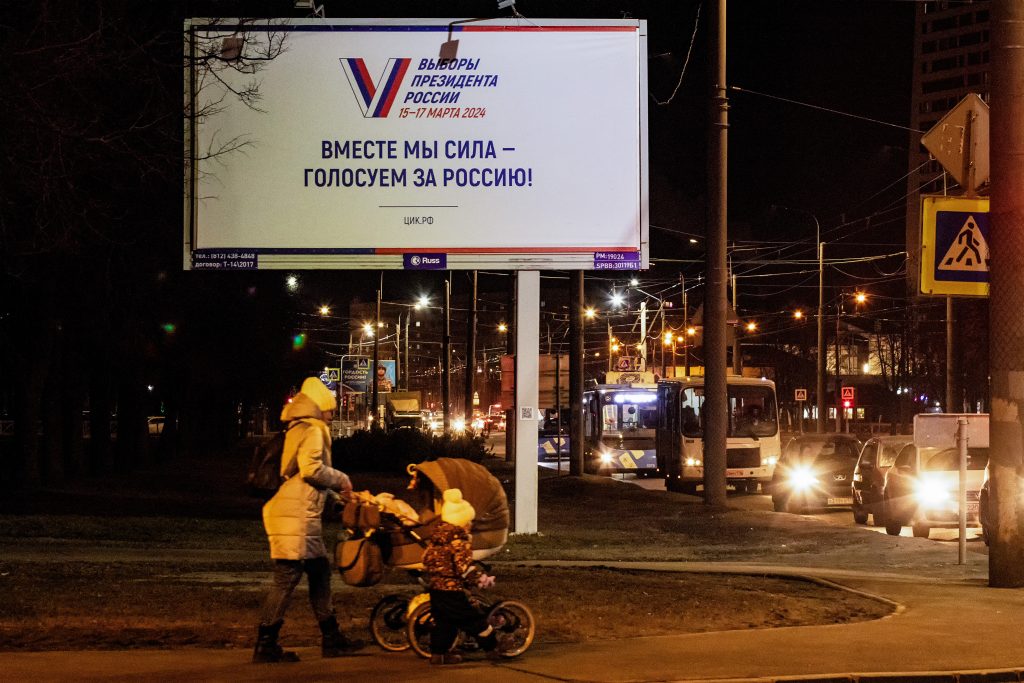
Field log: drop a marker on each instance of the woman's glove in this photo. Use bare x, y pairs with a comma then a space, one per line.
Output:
485, 581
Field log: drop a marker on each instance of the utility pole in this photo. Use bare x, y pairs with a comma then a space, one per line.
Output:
839, 374
686, 329
643, 335
737, 353
510, 350
610, 344
1006, 338
446, 357
470, 353
820, 387
375, 400
576, 365
405, 373
716, 397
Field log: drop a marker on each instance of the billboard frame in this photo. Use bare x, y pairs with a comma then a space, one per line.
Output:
451, 257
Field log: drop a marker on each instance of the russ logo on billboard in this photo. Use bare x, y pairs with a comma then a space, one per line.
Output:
375, 99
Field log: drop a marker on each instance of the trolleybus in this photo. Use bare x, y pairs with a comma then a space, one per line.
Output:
619, 427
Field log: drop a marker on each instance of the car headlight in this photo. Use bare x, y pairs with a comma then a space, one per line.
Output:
931, 492
857, 476
802, 478
605, 457
692, 462
459, 425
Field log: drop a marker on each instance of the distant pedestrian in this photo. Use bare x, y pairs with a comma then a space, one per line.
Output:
292, 521
448, 565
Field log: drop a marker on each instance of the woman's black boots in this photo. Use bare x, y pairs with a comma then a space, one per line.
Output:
267, 650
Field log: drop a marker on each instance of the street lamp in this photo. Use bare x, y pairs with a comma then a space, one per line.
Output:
502, 327
590, 313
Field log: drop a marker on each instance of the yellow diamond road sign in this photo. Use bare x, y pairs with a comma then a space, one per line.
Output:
955, 256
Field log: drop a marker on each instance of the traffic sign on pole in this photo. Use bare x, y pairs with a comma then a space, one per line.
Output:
800, 394
954, 246
962, 136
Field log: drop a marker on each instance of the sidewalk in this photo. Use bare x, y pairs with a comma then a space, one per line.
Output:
951, 628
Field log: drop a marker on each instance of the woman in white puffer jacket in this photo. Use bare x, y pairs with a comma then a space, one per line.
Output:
292, 520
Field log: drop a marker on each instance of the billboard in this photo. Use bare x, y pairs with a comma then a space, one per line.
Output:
356, 146
355, 373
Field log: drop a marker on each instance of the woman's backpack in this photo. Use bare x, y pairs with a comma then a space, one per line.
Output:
263, 478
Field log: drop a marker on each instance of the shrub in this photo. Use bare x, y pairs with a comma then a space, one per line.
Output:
379, 451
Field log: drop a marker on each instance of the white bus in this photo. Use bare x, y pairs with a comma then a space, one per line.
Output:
752, 439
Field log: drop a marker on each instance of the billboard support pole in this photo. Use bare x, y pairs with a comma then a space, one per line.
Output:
527, 366
577, 360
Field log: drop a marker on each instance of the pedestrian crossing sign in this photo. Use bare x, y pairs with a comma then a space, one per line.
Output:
955, 256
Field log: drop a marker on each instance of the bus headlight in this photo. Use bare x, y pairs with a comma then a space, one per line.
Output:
931, 492
802, 478
692, 462
771, 460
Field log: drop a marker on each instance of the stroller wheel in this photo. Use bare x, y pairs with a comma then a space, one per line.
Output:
388, 623
516, 622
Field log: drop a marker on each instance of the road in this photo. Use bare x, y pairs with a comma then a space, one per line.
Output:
837, 516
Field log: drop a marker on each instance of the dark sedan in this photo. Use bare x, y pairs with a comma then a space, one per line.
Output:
815, 471
876, 458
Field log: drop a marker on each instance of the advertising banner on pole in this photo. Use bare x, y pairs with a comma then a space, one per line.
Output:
359, 147
355, 373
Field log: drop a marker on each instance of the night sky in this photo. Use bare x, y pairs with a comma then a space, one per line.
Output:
854, 58
92, 232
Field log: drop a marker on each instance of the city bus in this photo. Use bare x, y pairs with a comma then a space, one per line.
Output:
753, 443
618, 425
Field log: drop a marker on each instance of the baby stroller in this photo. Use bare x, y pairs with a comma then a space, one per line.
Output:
400, 532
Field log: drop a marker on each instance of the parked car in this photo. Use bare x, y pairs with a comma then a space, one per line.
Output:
921, 489
876, 457
815, 471
156, 424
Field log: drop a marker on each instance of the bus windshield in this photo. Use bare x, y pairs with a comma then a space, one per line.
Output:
752, 411
629, 412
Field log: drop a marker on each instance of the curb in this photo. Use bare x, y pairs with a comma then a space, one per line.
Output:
979, 676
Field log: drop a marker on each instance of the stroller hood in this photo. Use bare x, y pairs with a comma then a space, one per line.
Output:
480, 488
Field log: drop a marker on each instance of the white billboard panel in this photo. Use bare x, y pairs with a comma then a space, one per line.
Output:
364, 150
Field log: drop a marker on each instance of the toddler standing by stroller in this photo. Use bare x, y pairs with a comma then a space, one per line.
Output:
449, 570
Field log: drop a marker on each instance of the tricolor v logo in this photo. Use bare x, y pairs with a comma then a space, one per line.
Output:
375, 99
